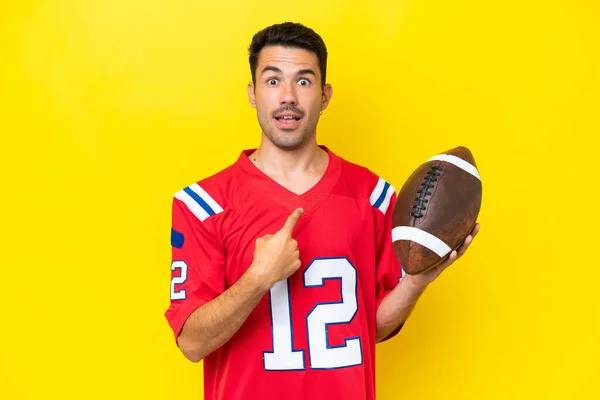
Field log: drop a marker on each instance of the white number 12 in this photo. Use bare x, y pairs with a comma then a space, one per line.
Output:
321, 356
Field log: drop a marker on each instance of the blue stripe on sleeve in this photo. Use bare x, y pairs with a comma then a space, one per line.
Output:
382, 195
199, 200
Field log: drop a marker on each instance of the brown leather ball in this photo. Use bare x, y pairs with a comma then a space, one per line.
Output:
436, 209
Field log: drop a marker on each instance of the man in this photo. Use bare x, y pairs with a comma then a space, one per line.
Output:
284, 275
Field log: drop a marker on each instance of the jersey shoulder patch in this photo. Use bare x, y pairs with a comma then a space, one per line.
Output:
381, 195
199, 202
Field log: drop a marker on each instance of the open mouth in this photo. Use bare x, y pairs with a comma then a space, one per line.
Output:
288, 121
288, 118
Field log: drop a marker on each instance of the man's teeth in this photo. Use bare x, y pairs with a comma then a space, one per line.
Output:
287, 117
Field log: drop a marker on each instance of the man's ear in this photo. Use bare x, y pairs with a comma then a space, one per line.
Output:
251, 95
327, 93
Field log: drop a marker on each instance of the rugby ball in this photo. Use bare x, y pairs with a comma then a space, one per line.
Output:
436, 209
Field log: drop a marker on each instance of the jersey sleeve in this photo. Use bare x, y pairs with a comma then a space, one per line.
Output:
197, 256
389, 270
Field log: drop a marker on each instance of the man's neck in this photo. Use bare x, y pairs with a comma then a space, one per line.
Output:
273, 161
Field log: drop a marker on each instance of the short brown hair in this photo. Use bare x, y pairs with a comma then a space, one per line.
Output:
289, 34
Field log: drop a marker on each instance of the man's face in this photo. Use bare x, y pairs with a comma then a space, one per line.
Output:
287, 96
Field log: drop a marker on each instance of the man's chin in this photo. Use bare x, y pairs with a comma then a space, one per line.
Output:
288, 142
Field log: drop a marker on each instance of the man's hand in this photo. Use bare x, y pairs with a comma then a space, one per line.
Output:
276, 257
420, 281
399, 303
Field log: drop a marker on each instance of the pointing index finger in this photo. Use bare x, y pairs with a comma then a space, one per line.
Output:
291, 221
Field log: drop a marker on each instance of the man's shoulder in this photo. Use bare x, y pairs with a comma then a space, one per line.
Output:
211, 194
365, 183
360, 175
359, 171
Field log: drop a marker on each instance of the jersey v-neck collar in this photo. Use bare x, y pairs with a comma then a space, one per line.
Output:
268, 188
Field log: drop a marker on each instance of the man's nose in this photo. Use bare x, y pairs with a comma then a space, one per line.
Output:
288, 95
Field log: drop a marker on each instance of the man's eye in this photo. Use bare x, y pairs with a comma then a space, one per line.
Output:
272, 82
304, 82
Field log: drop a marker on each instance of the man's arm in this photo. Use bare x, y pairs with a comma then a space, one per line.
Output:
214, 323
210, 326
396, 307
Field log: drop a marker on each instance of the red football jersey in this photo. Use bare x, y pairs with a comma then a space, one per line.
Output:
313, 335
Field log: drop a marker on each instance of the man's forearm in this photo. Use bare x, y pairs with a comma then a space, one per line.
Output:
397, 306
212, 325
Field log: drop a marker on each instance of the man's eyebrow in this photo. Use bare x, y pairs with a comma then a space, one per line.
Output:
271, 68
278, 71
307, 71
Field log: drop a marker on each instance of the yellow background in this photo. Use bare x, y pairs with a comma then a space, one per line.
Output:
109, 107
